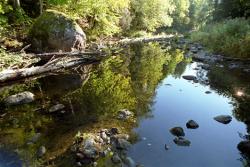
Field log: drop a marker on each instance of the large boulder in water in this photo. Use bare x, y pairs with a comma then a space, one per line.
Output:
54, 31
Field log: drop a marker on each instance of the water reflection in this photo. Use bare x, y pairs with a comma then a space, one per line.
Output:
94, 94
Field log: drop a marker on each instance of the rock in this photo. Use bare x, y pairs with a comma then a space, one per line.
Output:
56, 108
129, 162
124, 114
205, 67
246, 70
122, 144
122, 136
208, 92
244, 147
177, 131
189, 77
79, 155
116, 159
191, 124
35, 138
20, 98
233, 66
78, 164
225, 119
166, 147
41, 151
95, 164
194, 49
114, 131
180, 141
90, 148
104, 136
199, 47
55, 31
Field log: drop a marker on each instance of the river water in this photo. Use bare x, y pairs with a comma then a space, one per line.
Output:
147, 80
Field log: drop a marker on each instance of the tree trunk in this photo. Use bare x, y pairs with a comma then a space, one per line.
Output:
54, 65
41, 6
15, 4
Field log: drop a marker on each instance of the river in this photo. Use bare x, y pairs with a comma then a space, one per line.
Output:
147, 80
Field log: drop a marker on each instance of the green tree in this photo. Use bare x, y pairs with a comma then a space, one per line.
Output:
181, 14
201, 12
151, 14
97, 17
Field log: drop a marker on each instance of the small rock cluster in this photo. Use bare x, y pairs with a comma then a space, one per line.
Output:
108, 143
124, 114
179, 133
191, 124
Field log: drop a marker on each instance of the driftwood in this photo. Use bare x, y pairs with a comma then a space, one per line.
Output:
53, 65
147, 39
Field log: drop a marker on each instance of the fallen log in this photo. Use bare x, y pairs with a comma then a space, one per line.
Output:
128, 41
63, 60
54, 65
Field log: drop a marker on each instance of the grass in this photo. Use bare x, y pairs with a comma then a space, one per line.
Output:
229, 38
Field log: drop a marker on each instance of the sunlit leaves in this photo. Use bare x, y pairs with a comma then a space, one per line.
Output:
151, 14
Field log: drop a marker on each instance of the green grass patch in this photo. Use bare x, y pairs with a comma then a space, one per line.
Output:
229, 38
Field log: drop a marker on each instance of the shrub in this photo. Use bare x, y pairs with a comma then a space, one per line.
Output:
230, 38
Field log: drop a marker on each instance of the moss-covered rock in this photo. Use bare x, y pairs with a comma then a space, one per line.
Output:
54, 31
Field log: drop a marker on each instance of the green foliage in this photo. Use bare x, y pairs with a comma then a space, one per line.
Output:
4, 8
98, 17
200, 13
181, 13
231, 9
231, 37
107, 91
151, 14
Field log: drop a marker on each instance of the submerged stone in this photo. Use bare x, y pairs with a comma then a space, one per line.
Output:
177, 131
225, 119
189, 77
180, 141
129, 162
116, 159
122, 144
191, 124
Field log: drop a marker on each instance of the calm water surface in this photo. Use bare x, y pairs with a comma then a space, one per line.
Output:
212, 144
146, 79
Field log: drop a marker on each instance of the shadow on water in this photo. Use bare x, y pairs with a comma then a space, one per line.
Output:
146, 79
